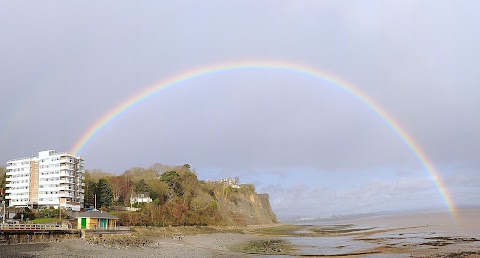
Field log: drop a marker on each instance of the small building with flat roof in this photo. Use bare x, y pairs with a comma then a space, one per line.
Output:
96, 220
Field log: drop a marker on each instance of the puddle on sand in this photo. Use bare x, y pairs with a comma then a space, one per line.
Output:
387, 256
328, 245
415, 237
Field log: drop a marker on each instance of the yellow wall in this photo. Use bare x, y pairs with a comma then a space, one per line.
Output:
92, 222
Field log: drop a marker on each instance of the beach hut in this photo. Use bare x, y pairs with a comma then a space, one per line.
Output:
96, 220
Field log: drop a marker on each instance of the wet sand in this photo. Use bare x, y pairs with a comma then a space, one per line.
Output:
427, 234
406, 234
210, 245
421, 234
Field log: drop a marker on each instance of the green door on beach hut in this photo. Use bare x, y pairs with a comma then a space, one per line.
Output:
104, 223
84, 223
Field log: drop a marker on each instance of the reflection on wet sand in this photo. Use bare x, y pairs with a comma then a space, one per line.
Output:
406, 234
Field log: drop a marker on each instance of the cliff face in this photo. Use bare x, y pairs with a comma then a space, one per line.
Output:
246, 208
181, 199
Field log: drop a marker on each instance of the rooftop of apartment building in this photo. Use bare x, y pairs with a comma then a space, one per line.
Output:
44, 154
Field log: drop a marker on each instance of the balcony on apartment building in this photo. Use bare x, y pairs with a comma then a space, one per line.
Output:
16, 184
65, 173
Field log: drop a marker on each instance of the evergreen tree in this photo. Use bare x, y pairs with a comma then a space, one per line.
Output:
141, 187
104, 193
3, 182
172, 178
3, 177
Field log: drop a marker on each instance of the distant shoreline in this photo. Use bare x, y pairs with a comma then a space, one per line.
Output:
349, 217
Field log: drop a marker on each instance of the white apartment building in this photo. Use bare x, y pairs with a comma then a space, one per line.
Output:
49, 179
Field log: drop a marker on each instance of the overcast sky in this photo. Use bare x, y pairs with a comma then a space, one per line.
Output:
313, 147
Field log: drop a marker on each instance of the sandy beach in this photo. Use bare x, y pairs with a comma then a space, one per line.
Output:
211, 245
429, 234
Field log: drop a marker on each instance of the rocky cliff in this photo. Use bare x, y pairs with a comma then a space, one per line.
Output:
244, 207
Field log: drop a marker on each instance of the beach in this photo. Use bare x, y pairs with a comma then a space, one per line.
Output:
211, 245
421, 234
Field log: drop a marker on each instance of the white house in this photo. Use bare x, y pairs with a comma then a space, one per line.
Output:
140, 198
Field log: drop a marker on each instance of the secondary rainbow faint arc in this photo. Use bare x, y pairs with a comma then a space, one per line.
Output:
276, 65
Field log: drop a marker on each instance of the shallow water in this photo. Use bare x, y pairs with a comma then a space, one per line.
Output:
409, 229
387, 256
328, 245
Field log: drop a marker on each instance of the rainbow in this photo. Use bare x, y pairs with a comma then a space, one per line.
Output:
283, 66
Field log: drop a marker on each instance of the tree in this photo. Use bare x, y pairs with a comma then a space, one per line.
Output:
126, 188
115, 185
3, 177
3, 182
172, 179
90, 188
160, 190
137, 174
160, 168
104, 193
141, 187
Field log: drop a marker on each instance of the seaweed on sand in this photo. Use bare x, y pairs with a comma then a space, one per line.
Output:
264, 246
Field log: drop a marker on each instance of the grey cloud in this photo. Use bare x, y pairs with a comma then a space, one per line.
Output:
379, 195
64, 65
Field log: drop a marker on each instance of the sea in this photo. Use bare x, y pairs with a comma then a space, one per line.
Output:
367, 234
